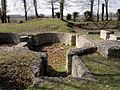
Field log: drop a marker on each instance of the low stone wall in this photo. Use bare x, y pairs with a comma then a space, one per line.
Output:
84, 41
9, 38
114, 37
77, 51
105, 35
79, 69
39, 67
109, 48
45, 38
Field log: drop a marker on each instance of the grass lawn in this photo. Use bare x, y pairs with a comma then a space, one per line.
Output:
39, 25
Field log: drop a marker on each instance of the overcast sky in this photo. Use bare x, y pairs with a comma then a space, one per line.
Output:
16, 7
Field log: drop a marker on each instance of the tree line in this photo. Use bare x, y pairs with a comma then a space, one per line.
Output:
88, 14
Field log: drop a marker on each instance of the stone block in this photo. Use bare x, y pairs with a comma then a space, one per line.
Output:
77, 51
114, 37
84, 41
104, 34
79, 69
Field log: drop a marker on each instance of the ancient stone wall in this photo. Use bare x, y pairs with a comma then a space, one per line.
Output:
104, 35
45, 38
74, 64
9, 38
114, 37
109, 48
79, 69
39, 67
84, 41
77, 51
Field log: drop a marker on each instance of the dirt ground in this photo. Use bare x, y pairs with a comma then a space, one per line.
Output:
56, 58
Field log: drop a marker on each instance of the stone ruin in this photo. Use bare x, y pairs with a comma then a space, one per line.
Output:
74, 65
108, 35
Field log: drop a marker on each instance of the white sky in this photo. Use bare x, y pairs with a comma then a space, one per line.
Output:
16, 7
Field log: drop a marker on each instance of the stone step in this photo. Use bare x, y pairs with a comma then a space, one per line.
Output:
22, 44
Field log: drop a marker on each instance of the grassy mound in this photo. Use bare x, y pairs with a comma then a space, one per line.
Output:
38, 25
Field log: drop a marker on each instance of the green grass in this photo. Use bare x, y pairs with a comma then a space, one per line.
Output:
95, 36
106, 72
39, 25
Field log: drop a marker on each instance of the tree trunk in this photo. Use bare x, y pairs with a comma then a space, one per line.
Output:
91, 8
8, 19
4, 9
106, 11
103, 5
35, 6
25, 9
61, 10
52, 4
106, 4
98, 16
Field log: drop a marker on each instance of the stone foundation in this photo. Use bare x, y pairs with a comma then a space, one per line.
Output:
114, 37
84, 41
79, 52
109, 49
39, 67
104, 35
9, 38
45, 38
79, 70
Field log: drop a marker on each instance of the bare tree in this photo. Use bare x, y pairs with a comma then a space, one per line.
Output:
61, 9
91, 7
3, 11
98, 16
84, 4
106, 6
25, 9
52, 4
35, 6
103, 5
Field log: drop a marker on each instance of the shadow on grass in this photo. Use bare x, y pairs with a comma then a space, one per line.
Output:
54, 73
108, 79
